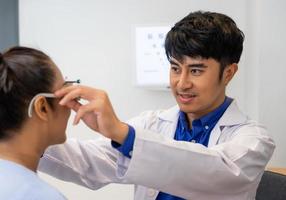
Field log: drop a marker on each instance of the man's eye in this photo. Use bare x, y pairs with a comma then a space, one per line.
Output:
196, 72
174, 69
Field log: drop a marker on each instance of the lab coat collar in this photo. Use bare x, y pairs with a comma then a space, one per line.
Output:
171, 115
232, 115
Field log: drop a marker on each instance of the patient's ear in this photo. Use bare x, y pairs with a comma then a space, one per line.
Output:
41, 108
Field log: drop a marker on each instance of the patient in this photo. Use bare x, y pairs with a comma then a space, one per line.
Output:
27, 79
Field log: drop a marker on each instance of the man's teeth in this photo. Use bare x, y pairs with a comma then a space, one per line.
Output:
187, 95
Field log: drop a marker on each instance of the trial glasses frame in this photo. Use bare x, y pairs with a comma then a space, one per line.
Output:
46, 95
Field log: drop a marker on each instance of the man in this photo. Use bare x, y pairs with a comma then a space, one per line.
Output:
204, 148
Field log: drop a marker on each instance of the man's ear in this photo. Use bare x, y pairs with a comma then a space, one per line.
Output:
41, 108
229, 72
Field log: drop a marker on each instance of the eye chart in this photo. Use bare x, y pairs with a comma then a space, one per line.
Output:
152, 66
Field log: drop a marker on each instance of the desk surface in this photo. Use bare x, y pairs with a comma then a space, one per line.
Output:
277, 170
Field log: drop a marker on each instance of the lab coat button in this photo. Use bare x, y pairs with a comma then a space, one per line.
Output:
130, 153
207, 127
151, 192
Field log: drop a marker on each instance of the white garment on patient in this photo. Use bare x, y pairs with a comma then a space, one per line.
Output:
20, 183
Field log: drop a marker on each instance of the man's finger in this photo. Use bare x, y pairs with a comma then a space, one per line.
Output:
64, 90
82, 111
70, 96
74, 105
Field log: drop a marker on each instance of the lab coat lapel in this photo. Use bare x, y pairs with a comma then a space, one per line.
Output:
170, 117
232, 116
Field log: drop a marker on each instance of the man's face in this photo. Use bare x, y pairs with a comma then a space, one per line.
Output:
196, 86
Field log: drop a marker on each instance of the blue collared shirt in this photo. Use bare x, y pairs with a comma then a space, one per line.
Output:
200, 133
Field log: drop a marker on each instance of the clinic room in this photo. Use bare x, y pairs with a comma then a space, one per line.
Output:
142, 100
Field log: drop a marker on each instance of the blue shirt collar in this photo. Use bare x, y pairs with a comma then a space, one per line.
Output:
207, 119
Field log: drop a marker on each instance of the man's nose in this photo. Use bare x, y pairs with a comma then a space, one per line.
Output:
185, 81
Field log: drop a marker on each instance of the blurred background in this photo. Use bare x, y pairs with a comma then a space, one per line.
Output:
95, 40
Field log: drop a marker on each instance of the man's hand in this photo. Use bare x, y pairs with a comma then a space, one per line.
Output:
97, 114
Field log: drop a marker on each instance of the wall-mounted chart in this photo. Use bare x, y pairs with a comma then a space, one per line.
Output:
152, 66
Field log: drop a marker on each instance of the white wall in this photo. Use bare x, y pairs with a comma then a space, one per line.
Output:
93, 40
272, 72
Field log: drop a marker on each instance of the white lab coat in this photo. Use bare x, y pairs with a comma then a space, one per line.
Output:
229, 169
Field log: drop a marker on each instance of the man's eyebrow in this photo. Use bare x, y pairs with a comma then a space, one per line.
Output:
198, 65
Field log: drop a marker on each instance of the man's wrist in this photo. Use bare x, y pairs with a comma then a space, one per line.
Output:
121, 133
127, 146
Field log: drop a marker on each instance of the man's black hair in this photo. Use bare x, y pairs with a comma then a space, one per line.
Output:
206, 35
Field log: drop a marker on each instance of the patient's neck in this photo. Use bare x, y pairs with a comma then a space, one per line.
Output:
21, 150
